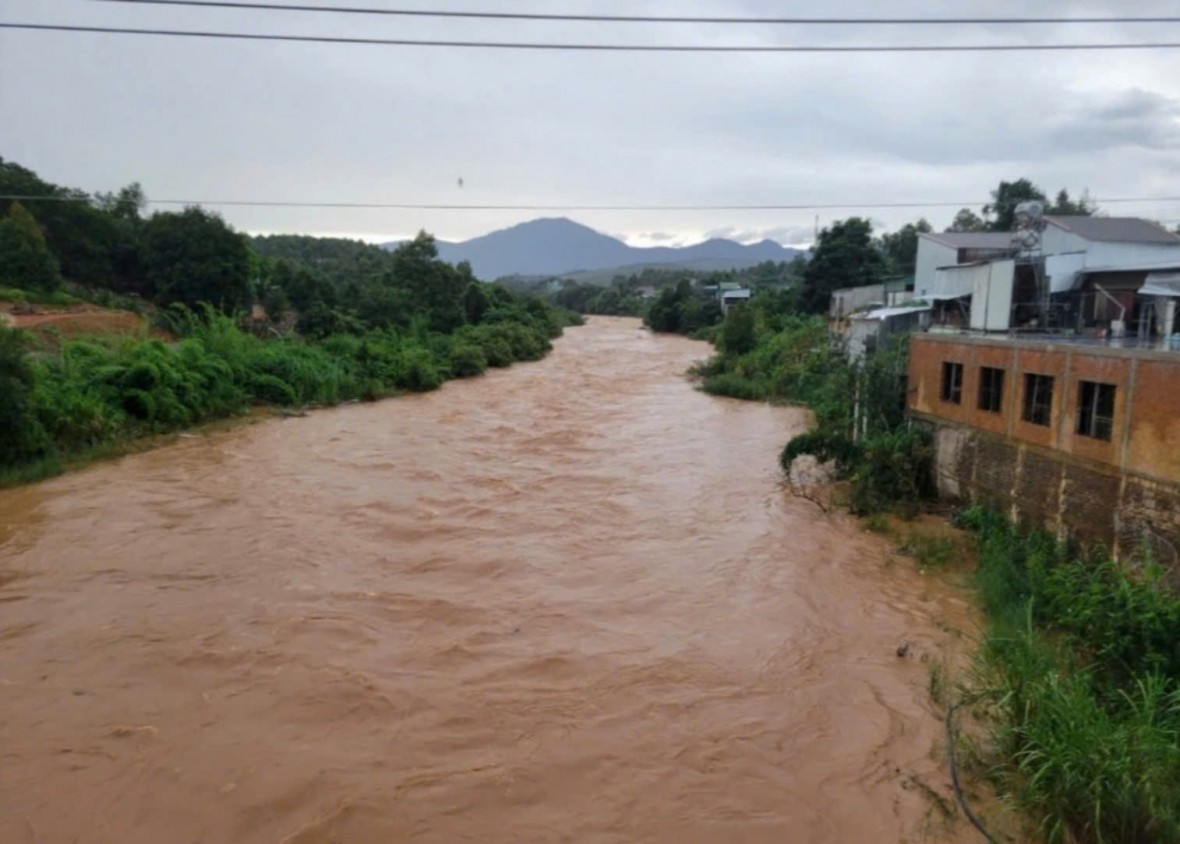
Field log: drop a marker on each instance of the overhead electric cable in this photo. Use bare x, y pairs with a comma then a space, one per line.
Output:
619, 48
433, 206
587, 18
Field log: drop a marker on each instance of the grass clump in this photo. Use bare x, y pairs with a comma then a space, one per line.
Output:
1082, 662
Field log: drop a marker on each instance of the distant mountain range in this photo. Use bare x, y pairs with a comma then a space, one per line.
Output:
557, 247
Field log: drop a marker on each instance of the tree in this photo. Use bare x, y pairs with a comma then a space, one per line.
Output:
1083, 206
193, 256
901, 247
127, 204
81, 236
1005, 198
21, 434
844, 256
967, 221
437, 287
738, 332
25, 259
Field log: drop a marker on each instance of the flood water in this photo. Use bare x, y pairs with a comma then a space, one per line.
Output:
563, 602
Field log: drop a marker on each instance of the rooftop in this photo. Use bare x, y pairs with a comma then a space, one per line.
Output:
1114, 346
1116, 229
971, 240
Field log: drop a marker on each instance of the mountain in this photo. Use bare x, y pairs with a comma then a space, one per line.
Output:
557, 246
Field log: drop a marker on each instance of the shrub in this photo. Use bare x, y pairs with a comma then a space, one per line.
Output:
468, 360
21, 435
1081, 660
736, 386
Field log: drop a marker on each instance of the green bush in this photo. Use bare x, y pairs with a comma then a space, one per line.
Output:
94, 393
21, 435
894, 470
468, 360
736, 386
1081, 660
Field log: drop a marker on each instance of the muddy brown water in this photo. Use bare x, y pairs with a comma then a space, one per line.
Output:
563, 602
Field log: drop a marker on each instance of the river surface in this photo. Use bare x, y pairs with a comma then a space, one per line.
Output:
563, 602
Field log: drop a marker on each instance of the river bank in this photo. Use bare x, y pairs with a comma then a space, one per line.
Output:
568, 600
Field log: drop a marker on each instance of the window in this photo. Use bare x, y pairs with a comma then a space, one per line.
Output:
991, 389
1038, 399
952, 382
1095, 410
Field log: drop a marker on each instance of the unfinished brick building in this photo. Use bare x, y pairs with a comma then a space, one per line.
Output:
1082, 436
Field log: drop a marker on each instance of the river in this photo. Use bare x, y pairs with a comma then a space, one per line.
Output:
566, 601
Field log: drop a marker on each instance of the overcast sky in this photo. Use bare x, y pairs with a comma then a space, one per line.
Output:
208, 120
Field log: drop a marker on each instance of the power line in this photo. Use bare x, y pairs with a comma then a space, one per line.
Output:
429, 206
537, 16
620, 48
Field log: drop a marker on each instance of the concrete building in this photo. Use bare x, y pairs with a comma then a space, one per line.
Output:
1082, 275
729, 298
1083, 437
867, 330
947, 249
852, 300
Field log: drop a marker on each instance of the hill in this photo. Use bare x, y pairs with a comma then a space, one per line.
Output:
558, 246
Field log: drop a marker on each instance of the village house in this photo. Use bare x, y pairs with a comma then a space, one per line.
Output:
1082, 275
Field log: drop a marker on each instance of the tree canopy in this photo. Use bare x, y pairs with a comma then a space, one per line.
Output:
193, 256
844, 256
25, 259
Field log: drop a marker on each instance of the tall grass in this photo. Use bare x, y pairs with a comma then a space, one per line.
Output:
1082, 658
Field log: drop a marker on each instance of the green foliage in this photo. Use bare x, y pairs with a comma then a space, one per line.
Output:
844, 256
192, 257
683, 309
768, 351
21, 437
738, 331
92, 394
901, 247
736, 386
1005, 198
930, 552
84, 239
25, 260
468, 359
619, 298
967, 220
1081, 659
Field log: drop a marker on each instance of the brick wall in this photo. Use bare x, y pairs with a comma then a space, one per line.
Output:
1118, 492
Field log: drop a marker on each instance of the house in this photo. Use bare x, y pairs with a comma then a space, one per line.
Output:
732, 297
952, 248
1075, 433
1064, 274
867, 330
850, 300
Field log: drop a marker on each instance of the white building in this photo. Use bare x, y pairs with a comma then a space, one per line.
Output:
952, 248
1106, 274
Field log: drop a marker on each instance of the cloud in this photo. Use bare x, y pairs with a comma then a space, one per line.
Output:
201, 119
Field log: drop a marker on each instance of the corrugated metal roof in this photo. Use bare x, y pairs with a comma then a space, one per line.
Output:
886, 313
1161, 284
1115, 229
971, 240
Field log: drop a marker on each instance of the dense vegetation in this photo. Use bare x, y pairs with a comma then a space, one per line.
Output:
638, 293
768, 350
341, 323
1081, 669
